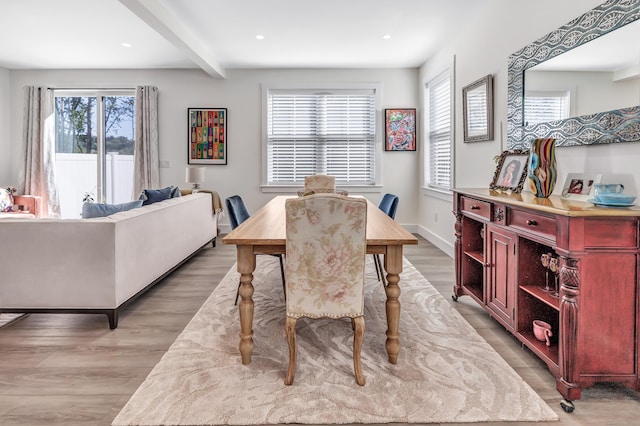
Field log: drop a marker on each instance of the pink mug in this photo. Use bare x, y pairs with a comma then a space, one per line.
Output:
542, 331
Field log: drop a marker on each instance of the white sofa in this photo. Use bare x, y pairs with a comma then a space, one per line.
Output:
99, 265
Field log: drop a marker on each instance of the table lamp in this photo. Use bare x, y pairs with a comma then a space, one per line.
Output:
195, 175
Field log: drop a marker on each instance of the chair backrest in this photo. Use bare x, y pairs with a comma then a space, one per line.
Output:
316, 182
237, 210
389, 205
326, 246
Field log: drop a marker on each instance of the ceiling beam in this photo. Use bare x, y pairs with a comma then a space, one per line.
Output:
155, 15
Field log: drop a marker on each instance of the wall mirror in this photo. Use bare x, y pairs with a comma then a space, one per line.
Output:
568, 62
477, 110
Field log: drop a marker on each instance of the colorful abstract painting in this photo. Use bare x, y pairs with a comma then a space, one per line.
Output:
400, 129
207, 135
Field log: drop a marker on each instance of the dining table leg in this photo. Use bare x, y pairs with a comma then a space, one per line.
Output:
246, 266
393, 267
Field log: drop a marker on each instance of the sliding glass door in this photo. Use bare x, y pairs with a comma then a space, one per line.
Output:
94, 147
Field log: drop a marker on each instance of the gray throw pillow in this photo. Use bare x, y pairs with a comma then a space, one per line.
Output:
90, 210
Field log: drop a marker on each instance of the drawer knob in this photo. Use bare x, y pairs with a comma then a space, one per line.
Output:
531, 222
475, 207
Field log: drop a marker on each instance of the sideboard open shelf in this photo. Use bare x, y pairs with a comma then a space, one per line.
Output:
589, 294
473, 262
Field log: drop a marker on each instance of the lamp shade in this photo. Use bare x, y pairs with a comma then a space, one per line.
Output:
195, 175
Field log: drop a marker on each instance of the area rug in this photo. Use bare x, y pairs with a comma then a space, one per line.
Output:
445, 372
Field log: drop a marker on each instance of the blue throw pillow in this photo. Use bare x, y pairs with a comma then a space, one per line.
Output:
150, 196
175, 192
90, 210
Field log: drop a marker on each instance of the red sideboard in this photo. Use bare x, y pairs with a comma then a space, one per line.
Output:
500, 242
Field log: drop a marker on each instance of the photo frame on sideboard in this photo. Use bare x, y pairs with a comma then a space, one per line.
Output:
207, 135
579, 186
477, 110
511, 171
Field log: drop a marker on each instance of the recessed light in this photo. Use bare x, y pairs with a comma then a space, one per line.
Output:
386, 37
125, 44
260, 37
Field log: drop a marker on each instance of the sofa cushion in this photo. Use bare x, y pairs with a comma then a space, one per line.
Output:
90, 210
150, 196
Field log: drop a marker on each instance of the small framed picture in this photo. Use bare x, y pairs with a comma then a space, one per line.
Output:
579, 186
511, 171
400, 129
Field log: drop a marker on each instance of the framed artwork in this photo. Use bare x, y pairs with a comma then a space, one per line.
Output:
477, 110
579, 186
400, 129
511, 171
207, 135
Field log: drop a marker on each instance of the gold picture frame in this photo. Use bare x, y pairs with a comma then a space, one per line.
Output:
511, 171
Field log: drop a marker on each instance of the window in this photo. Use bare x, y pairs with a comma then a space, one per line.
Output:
439, 134
543, 106
321, 132
94, 137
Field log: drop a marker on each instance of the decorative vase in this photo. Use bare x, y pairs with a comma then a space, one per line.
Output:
542, 167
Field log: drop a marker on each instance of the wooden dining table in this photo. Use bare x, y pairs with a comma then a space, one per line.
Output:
265, 233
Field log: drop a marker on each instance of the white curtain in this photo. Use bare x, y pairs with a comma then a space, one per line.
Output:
40, 151
146, 157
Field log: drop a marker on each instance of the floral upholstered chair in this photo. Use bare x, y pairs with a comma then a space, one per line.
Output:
326, 248
316, 182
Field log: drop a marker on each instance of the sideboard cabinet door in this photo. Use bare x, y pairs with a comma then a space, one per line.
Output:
501, 275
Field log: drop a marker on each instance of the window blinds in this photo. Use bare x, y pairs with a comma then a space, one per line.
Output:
540, 107
439, 90
330, 133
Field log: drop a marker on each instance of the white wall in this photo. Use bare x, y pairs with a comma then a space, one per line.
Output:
483, 48
241, 93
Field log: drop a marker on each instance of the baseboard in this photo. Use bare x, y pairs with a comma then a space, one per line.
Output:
436, 240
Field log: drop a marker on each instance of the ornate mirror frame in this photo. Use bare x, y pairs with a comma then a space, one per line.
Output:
621, 125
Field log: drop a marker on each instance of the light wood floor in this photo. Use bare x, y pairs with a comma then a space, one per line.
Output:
72, 370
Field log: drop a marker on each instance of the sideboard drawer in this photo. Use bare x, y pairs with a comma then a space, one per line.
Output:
476, 208
538, 224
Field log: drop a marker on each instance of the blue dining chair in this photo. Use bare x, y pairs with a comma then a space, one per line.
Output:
389, 205
238, 213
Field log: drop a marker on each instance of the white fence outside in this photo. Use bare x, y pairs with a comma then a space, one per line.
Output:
76, 175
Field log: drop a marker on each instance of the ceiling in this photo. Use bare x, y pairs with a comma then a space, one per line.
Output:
217, 35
